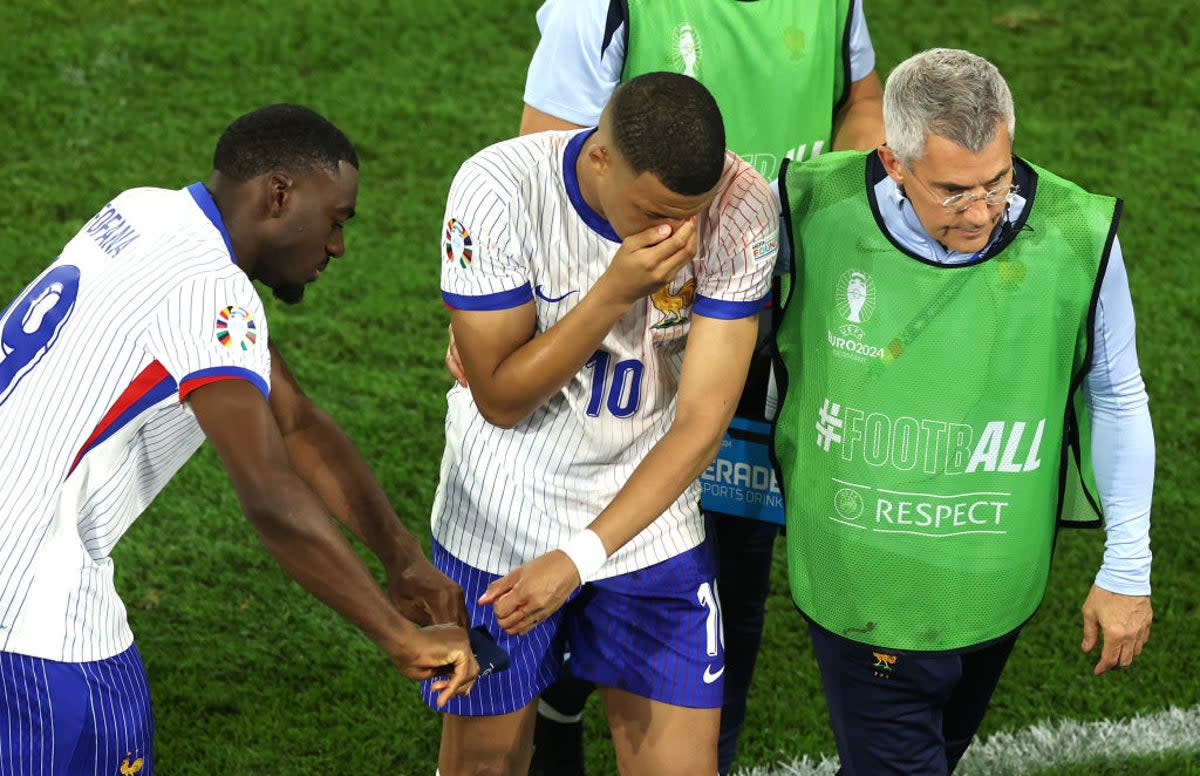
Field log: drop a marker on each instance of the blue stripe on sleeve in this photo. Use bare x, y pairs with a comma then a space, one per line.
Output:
504, 300
242, 373
726, 311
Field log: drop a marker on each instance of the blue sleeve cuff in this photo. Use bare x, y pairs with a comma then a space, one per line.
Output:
504, 300
727, 311
213, 374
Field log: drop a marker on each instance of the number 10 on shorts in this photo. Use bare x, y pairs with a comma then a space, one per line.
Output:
714, 629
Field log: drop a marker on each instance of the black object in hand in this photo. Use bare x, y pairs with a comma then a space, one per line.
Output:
488, 654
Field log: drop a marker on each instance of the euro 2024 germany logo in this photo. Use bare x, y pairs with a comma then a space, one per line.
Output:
457, 243
854, 301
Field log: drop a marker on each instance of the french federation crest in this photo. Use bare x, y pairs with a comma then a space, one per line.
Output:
457, 243
674, 306
235, 328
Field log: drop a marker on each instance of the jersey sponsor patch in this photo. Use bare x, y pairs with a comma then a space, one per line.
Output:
235, 328
457, 243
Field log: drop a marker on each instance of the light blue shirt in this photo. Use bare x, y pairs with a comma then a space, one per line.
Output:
1122, 436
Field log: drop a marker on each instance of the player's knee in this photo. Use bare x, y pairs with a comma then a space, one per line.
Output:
679, 762
482, 757
486, 766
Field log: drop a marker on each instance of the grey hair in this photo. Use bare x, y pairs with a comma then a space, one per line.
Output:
950, 93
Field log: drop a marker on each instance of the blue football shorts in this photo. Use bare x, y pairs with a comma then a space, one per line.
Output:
655, 632
76, 719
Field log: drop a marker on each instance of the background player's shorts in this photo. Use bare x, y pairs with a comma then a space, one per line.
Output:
77, 719
655, 632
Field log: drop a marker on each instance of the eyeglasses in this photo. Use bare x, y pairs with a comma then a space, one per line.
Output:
962, 202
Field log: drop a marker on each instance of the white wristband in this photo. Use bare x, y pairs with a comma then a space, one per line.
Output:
587, 552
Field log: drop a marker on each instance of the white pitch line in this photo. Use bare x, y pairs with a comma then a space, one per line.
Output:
1046, 745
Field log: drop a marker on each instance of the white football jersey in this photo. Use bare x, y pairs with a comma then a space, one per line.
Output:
517, 230
144, 305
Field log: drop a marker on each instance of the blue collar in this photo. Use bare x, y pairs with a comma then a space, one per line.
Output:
571, 180
205, 201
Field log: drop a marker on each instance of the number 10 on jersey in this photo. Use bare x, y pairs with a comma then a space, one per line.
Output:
622, 385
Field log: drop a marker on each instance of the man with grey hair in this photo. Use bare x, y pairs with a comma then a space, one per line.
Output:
973, 383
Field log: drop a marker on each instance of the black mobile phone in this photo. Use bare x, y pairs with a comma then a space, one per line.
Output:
488, 654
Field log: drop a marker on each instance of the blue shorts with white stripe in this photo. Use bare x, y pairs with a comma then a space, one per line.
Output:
75, 719
655, 632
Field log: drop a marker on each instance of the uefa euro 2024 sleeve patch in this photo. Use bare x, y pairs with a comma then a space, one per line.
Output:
235, 328
457, 243
765, 248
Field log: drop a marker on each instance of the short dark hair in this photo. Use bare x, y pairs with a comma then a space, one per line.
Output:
281, 137
669, 125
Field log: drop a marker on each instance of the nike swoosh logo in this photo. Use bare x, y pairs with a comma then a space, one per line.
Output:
710, 677
542, 294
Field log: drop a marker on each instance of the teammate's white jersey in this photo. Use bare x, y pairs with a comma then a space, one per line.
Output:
516, 230
144, 305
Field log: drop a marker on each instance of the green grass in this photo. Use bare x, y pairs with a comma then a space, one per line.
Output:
249, 674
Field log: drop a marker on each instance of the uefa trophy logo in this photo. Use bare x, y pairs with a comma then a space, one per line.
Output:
855, 296
687, 50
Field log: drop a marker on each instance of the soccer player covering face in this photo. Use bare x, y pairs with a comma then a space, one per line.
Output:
96, 426
604, 286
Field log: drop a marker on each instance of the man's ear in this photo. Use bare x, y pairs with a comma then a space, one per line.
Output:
279, 191
892, 164
599, 159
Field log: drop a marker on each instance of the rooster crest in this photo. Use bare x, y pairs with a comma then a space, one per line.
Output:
130, 768
673, 306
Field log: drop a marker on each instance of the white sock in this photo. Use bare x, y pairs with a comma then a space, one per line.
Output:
554, 715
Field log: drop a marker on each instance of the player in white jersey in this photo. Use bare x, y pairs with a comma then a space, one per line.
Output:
604, 287
145, 336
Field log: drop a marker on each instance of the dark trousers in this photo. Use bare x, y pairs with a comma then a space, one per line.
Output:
744, 550
905, 713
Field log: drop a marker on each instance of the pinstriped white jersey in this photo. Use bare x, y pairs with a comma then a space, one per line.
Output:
144, 305
518, 230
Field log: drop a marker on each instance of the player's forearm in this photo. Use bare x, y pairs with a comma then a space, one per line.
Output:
861, 127
327, 460
535, 371
858, 126
534, 120
296, 530
683, 453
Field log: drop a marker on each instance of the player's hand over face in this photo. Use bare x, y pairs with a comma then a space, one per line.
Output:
648, 260
532, 592
443, 651
1124, 621
427, 596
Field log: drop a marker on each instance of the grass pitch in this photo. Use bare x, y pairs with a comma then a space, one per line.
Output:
249, 674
